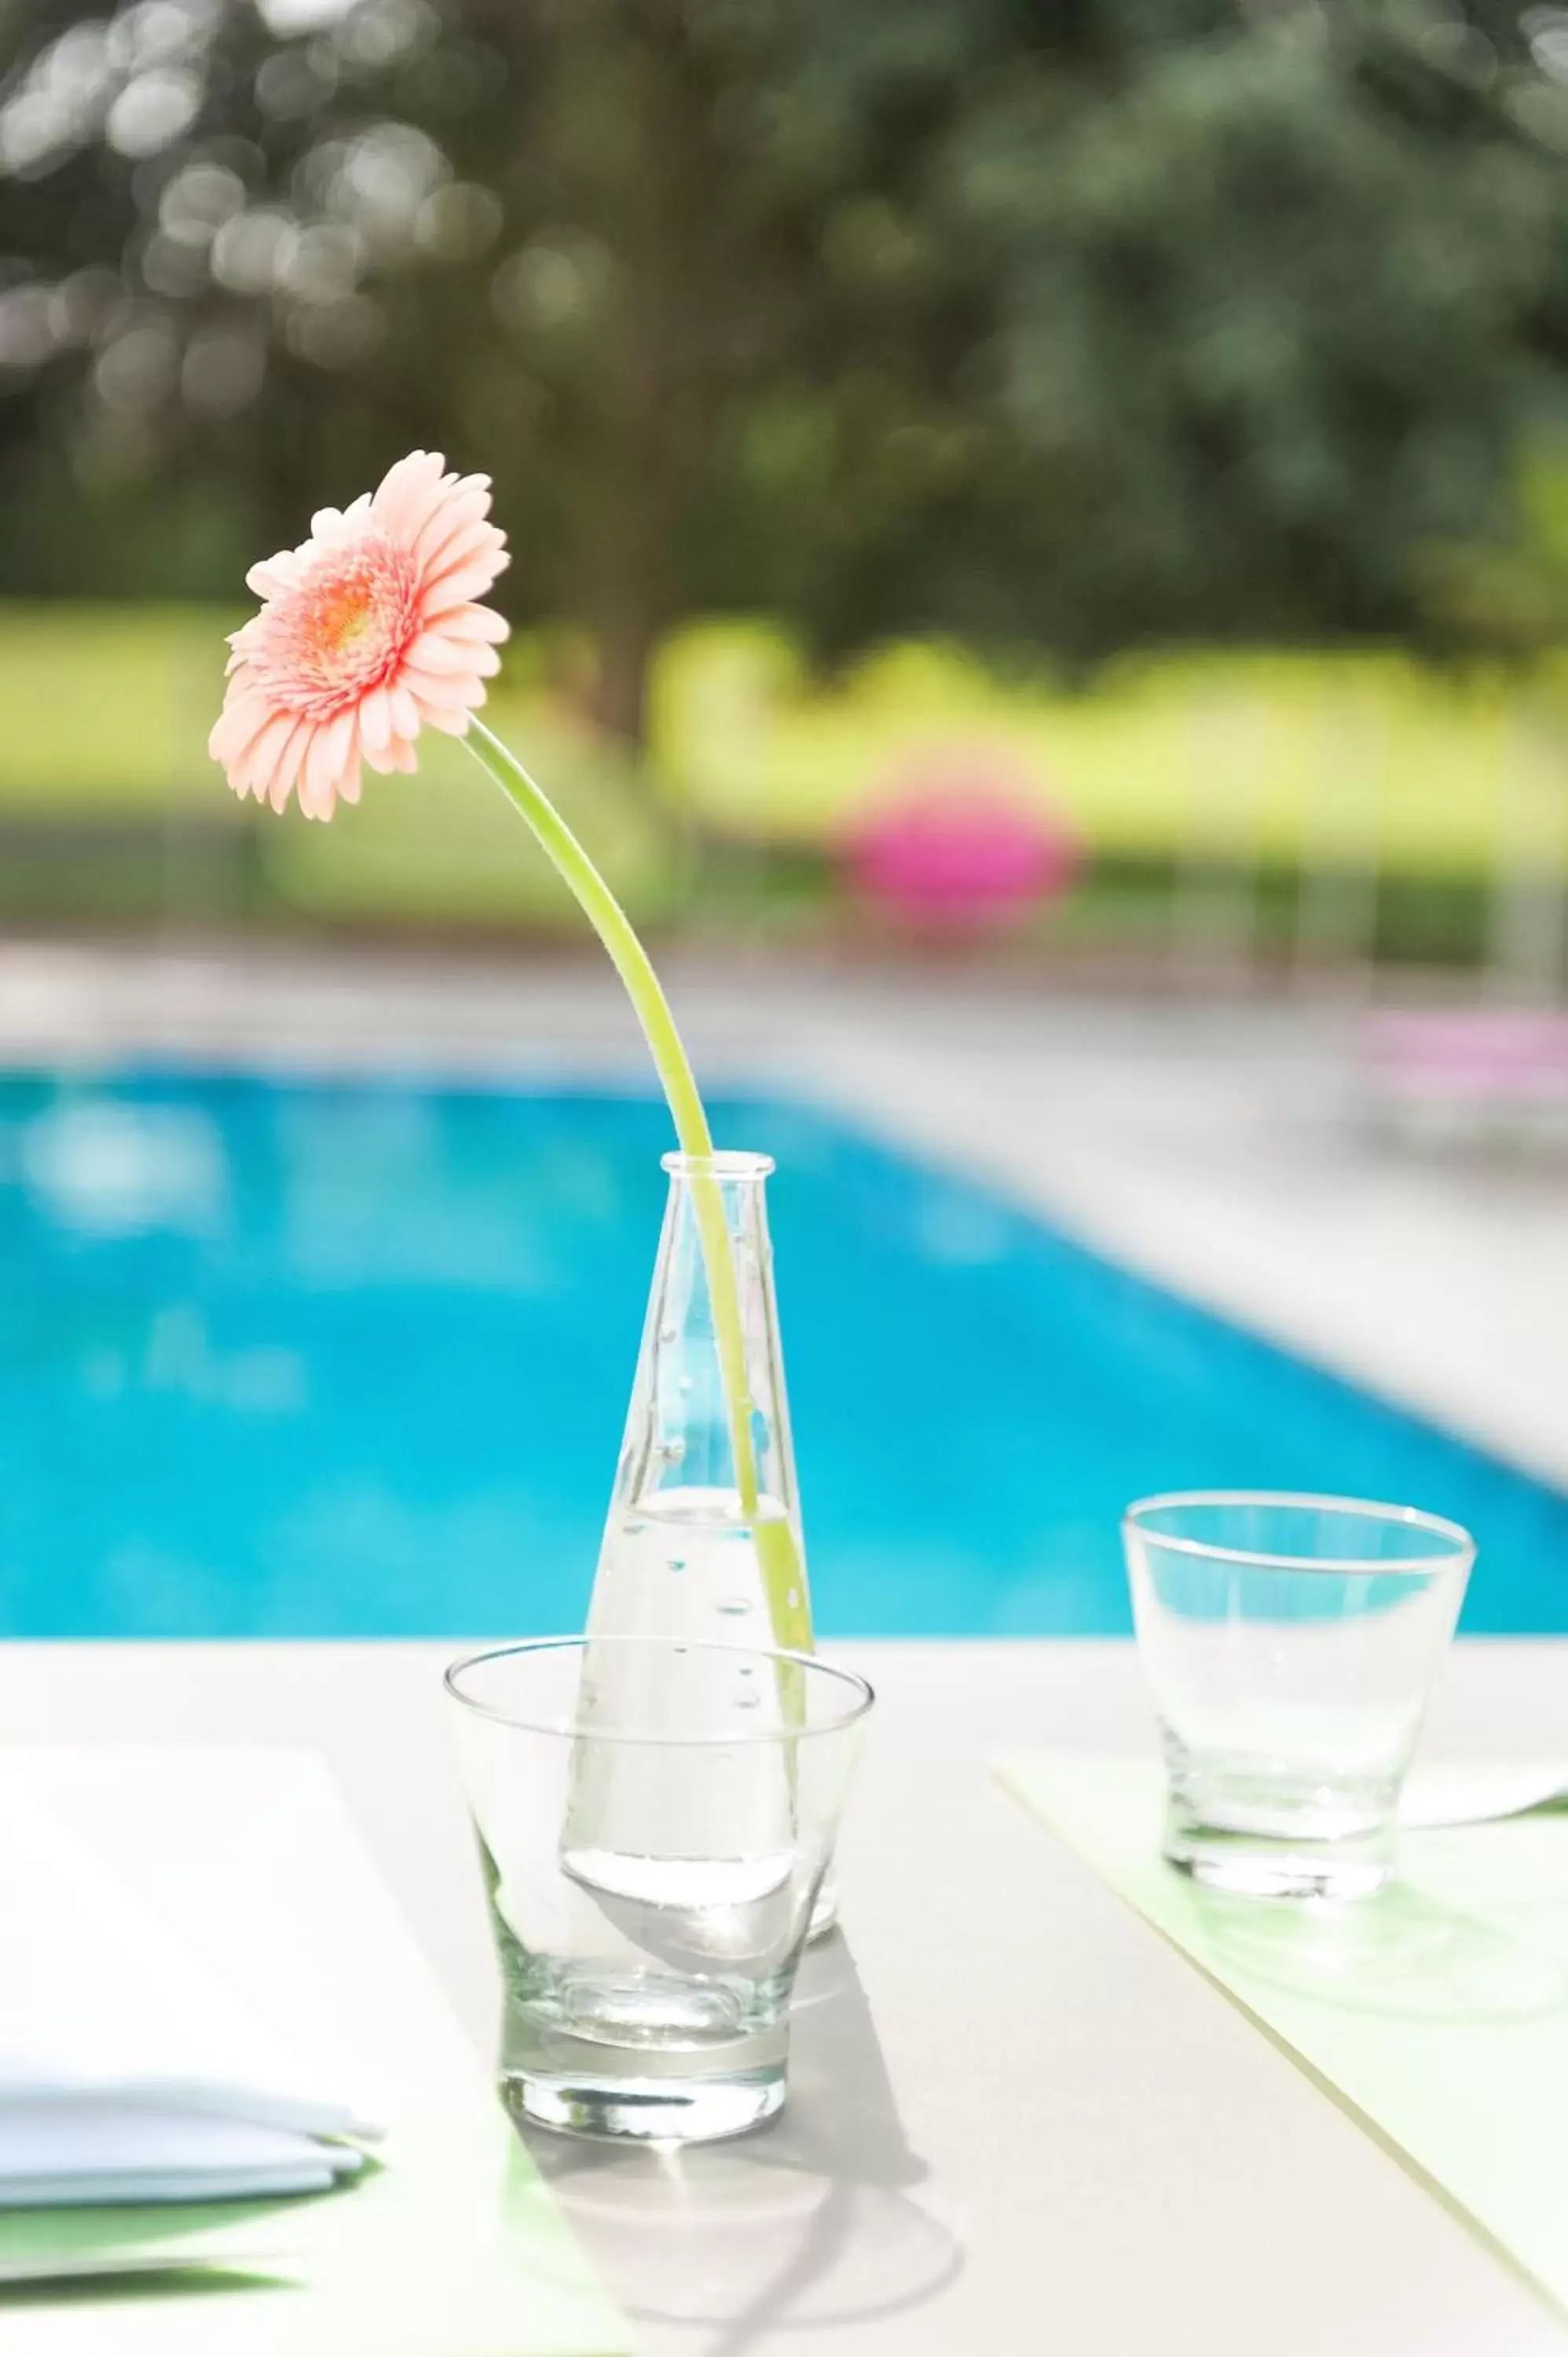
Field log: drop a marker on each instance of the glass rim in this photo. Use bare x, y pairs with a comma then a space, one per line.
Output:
729, 1164
850, 1681
1457, 1540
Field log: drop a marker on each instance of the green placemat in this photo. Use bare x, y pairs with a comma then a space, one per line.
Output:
1438, 2013
454, 2248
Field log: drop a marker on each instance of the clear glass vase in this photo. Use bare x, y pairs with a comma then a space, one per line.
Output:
703, 1536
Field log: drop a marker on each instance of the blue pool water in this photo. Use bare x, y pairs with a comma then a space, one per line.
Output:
352, 1359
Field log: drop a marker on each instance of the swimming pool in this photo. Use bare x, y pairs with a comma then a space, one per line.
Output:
351, 1360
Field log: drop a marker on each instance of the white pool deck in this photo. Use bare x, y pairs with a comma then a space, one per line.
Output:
1020, 2123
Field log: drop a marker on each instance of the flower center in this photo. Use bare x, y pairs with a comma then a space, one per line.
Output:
341, 630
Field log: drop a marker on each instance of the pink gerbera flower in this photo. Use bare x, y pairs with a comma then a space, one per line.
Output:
367, 631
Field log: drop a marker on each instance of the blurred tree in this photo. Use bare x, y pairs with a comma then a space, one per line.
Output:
1058, 324
1512, 596
1252, 304
548, 237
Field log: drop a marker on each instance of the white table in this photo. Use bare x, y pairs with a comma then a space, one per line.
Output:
1019, 2122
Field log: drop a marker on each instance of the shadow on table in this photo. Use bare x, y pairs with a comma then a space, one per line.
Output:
113, 2290
808, 2222
1403, 1954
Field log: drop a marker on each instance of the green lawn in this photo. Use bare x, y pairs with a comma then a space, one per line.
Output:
1275, 759
104, 764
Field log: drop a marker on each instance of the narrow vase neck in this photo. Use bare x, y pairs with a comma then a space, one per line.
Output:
682, 1432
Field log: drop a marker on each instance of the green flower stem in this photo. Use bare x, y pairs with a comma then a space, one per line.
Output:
782, 1580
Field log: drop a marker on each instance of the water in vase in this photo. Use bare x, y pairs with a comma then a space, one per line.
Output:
703, 1540
688, 1562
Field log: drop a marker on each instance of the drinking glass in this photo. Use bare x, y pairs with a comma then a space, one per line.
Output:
1291, 1644
655, 1816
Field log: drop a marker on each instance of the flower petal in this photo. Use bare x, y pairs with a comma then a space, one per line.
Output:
475, 541
470, 580
453, 719
375, 720
273, 574
443, 692
478, 623
241, 715
435, 654
405, 494
328, 755
252, 772
460, 512
288, 766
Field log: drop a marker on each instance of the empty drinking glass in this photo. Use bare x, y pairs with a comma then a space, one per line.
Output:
1291, 1644
655, 1816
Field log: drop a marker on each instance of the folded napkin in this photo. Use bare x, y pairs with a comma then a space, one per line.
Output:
128, 2071
457, 2248
1481, 1792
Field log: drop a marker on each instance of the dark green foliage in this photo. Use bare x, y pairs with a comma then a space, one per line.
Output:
1251, 308
1071, 324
